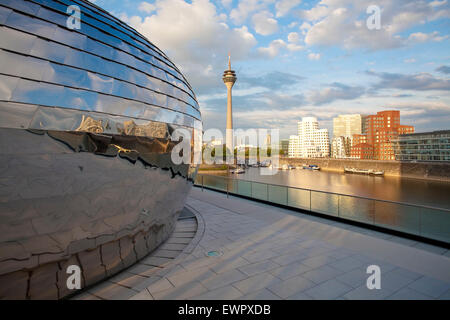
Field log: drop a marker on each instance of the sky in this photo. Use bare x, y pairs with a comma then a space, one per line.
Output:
297, 58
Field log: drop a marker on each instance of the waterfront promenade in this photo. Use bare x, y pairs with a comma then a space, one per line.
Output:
263, 252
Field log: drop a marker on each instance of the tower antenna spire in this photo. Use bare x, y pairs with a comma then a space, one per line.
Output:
229, 61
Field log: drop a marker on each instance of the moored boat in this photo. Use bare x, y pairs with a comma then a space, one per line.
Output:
311, 167
238, 171
364, 171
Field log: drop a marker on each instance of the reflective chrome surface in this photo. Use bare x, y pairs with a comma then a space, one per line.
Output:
86, 118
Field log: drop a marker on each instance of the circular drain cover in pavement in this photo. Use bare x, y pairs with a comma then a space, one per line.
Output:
213, 253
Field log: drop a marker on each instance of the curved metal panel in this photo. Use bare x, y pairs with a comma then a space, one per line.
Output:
86, 123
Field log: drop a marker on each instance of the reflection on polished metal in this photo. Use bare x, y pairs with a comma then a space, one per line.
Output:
86, 123
229, 78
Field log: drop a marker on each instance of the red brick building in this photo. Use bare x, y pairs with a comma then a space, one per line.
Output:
380, 130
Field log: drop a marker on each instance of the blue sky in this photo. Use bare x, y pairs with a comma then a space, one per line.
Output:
298, 58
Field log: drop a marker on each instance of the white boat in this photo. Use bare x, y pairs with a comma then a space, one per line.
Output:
238, 171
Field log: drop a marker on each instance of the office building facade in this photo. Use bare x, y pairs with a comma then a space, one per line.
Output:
379, 131
344, 127
424, 146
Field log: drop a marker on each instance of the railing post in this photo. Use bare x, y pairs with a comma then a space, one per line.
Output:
373, 210
420, 221
310, 204
287, 195
228, 179
339, 205
202, 183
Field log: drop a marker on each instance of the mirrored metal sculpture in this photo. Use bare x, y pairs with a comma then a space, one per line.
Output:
86, 118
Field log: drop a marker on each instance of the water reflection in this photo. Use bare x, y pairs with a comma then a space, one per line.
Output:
414, 191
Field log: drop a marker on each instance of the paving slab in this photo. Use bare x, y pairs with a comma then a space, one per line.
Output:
256, 283
258, 267
224, 293
223, 279
328, 290
263, 294
430, 286
409, 294
291, 286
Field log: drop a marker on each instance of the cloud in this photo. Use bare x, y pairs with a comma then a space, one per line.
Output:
226, 3
443, 69
336, 91
305, 26
294, 47
196, 38
411, 60
425, 37
438, 3
273, 80
273, 49
293, 37
264, 23
245, 7
343, 23
284, 6
419, 81
314, 56
146, 7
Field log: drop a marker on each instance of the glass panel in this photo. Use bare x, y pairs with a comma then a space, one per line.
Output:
357, 209
233, 185
244, 188
259, 191
215, 182
397, 217
324, 203
299, 198
435, 224
278, 194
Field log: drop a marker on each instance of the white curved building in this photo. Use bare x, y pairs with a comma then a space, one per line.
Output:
311, 142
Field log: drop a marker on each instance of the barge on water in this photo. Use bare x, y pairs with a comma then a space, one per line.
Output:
364, 171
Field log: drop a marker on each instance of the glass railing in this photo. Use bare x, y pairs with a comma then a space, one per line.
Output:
428, 222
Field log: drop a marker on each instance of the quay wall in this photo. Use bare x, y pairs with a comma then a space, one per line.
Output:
418, 170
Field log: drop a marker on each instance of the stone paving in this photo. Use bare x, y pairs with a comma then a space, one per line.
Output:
265, 252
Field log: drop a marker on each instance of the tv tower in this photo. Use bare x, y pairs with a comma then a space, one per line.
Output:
229, 78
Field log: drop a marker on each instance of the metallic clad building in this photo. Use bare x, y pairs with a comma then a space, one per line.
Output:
86, 118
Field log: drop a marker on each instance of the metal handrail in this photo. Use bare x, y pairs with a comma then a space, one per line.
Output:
334, 193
